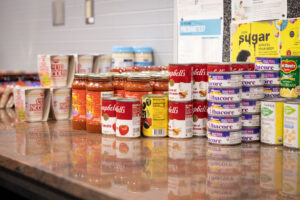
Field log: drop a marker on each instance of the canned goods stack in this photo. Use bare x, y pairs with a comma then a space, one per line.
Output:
270, 68
224, 107
253, 92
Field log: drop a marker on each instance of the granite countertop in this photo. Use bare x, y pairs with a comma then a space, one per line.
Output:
93, 166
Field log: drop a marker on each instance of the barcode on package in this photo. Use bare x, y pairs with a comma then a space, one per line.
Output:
158, 132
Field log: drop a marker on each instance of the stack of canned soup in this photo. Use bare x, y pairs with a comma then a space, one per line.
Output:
187, 100
224, 108
252, 93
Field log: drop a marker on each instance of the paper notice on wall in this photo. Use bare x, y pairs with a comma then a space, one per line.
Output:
256, 10
200, 30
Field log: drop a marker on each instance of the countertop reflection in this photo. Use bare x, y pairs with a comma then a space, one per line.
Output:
92, 165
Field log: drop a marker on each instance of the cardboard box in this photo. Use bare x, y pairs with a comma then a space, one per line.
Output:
46, 73
32, 103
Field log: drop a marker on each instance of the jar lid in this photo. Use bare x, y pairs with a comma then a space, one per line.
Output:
142, 49
138, 76
101, 76
122, 49
160, 76
80, 75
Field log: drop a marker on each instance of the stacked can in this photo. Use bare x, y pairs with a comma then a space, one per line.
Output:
180, 101
224, 107
270, 68
253, 92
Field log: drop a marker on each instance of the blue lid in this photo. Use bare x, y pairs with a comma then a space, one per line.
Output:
122, 49
142, 49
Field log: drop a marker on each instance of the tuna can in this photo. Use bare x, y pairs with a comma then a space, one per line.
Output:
218, 67
291, 125
224, 137
272, 91
180, 119
272, 121
180, 82
271, 77
128, 112
255, 92
224, 79
155, 115
251, 106
199, 118
224, 108
224, 94
228, 123
262, 63
250, 133
252, 78
251, 119
200, 81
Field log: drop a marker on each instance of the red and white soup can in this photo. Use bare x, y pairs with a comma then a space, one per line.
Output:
199, 118
239, 66
200, 80
180, 82
128, 115
109, 115
180, 119
218, 67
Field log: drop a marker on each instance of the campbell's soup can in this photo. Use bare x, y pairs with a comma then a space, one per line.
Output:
109, 115
199, 118
239, 66
180, 119
218, 67
200, 80
180, 82
128, 115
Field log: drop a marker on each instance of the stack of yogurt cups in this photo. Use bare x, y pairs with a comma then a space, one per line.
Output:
224, 108
252, 93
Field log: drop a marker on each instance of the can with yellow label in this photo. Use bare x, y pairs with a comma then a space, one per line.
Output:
155, 115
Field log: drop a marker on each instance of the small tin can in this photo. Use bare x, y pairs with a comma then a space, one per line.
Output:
155, 115
251, 106
180, 119
251, 119
252, 78
224, 108
199, 118
272, 91
224, 94
200, 81
180, 82
255, 92
250, 133
224, 79
263, 63
291, 132
218, 67
109, 116
224, 123
224, 137
271, 77
128, 112
272, 121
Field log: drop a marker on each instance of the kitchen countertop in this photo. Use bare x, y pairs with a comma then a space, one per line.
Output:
50, 156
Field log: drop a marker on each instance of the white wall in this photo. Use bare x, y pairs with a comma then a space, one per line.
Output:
26, 29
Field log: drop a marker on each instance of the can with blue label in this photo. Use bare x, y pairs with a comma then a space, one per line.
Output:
224, 137
271, 77
224, 123
224, 108
255, 92
224, 94
252, 78
251, 106
264, 63
251, 119
272, 91
250, 133
224, 79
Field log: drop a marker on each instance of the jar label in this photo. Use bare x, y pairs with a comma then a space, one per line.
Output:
79, 104
119, 93
135, 95
93, 108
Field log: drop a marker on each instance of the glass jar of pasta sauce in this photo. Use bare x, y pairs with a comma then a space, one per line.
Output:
119, 82
99, 86
160, 83
137, 85
79, 102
